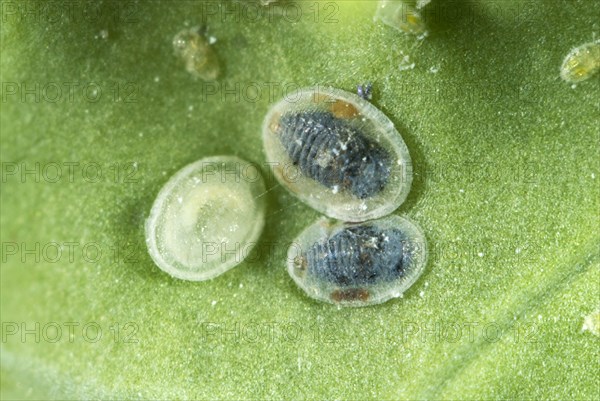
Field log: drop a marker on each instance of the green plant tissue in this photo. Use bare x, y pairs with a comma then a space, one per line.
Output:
97, 112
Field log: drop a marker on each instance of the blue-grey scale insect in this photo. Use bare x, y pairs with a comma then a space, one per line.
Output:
358, 264
338, 153
359, 255
360, 165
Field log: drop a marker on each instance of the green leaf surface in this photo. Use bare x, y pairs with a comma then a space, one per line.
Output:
506, 163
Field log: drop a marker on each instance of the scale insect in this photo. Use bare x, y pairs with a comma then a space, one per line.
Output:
357, 264
206, 218
197, 53
338, 153
581, 63
402, 16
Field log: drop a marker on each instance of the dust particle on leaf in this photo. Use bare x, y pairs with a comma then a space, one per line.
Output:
591, 323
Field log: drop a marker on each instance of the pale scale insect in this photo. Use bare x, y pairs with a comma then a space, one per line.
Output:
206, 218
581, 63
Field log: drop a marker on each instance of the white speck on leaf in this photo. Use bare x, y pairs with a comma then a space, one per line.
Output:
591, 323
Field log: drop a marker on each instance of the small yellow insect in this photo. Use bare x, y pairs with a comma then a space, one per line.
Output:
581, 63
402, 16
197, 53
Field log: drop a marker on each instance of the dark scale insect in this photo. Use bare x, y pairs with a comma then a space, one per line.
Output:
337, 155
358, 264
359, 255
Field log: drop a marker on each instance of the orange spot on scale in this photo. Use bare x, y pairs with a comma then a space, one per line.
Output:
353, 294
342, 109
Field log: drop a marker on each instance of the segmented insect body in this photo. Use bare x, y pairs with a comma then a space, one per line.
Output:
359, 255
338, 153
581, 63
358, 264
206, 218
331, 151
